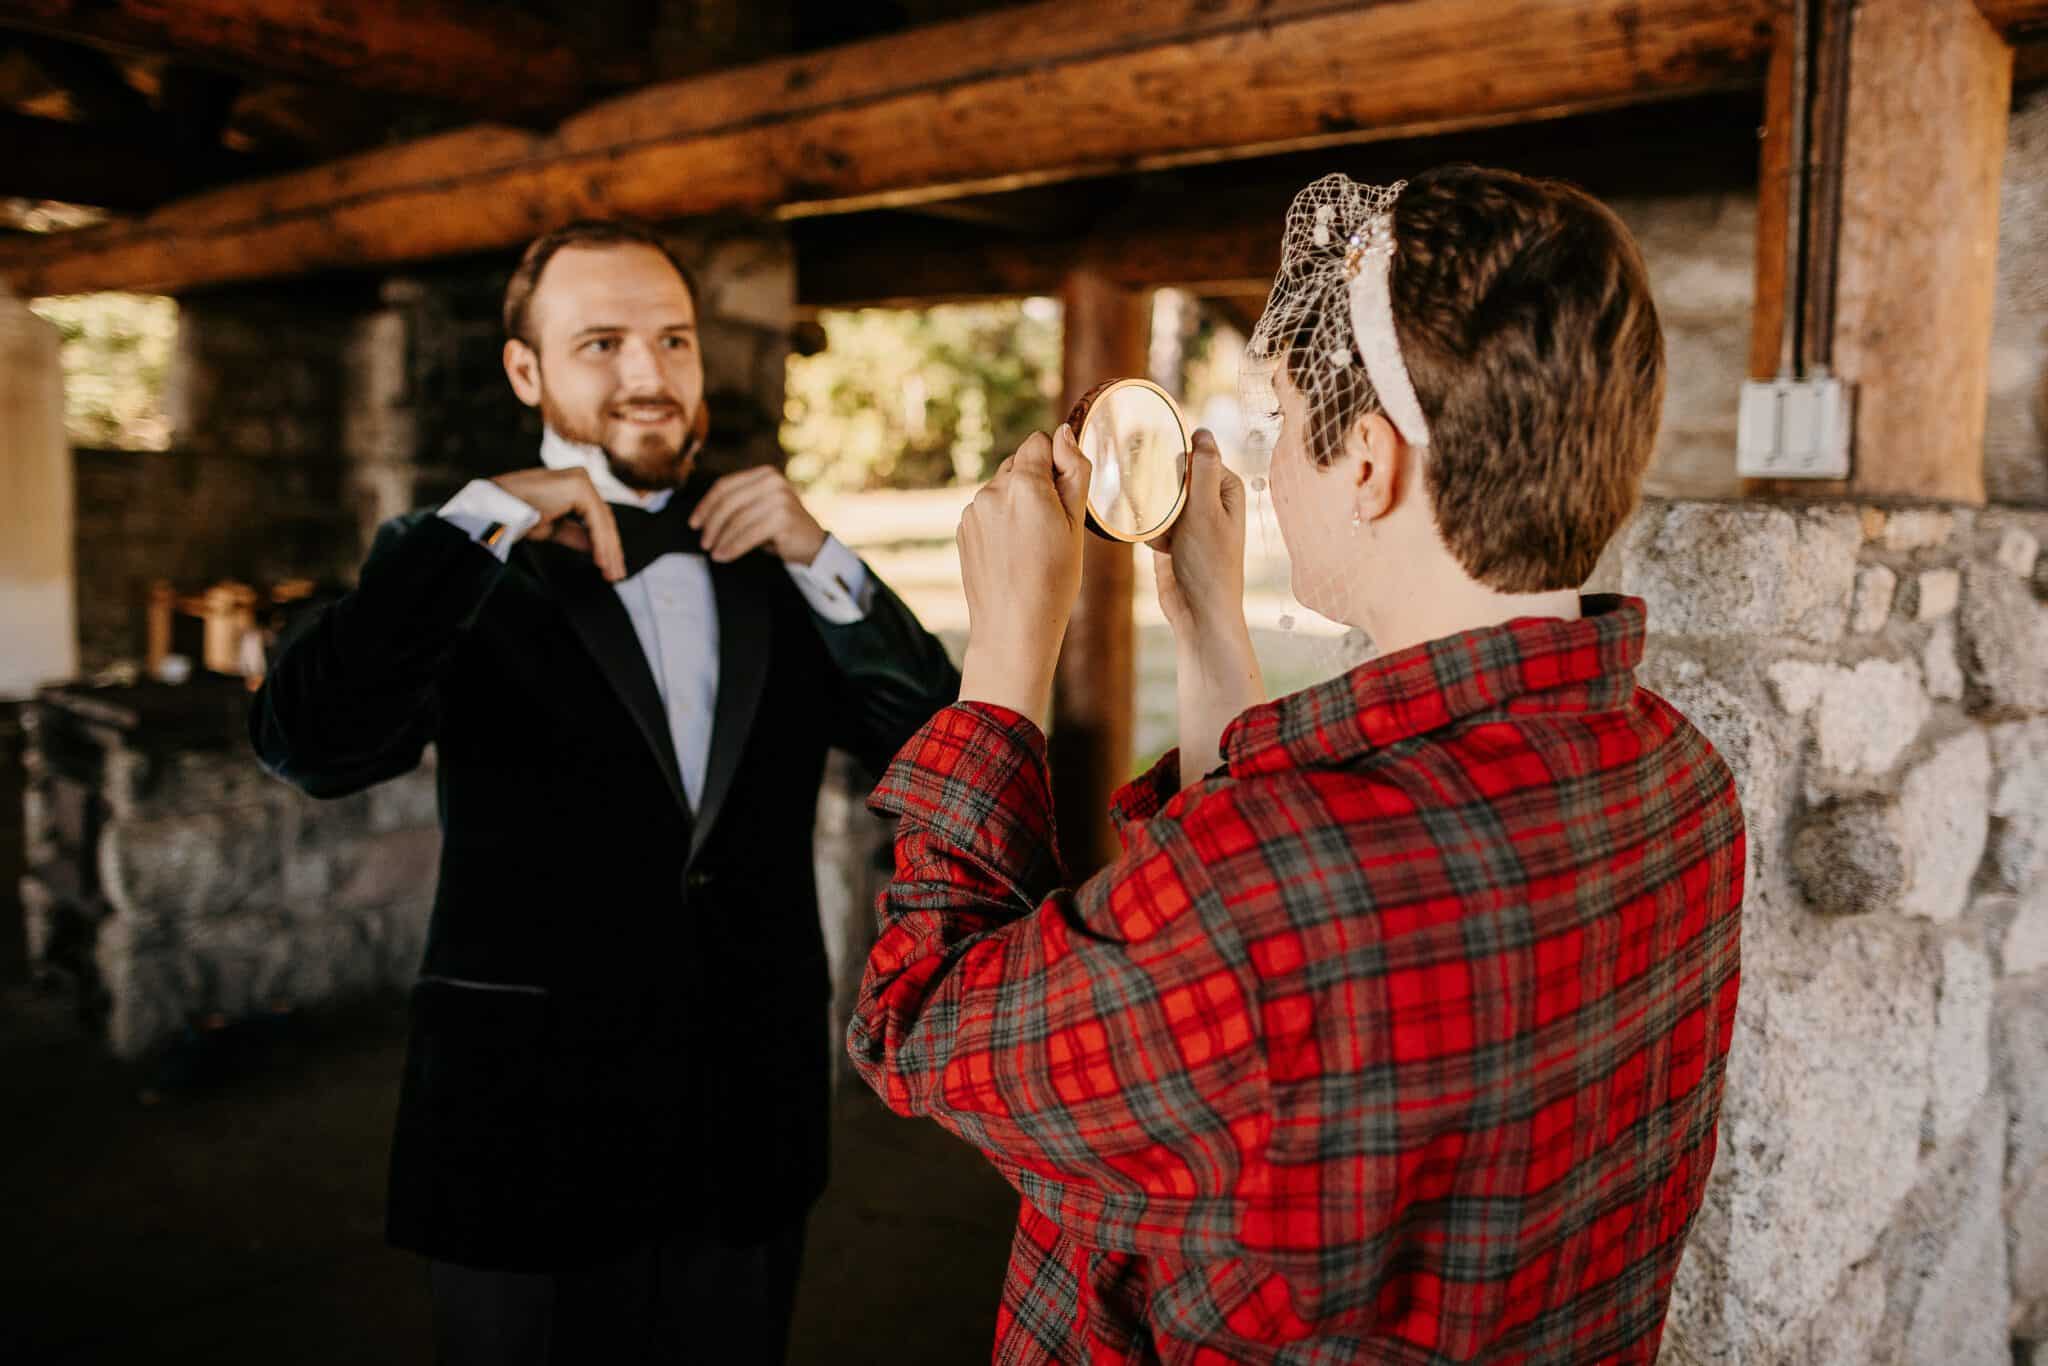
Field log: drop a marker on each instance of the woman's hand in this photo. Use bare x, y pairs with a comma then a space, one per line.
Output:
1020, 562
1199, 563
1199, 568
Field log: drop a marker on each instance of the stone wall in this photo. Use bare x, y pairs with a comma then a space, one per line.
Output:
1878, 680
167, 881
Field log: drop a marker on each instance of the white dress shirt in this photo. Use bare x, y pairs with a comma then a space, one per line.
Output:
670, 601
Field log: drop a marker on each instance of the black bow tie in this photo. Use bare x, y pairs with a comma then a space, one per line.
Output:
647, 536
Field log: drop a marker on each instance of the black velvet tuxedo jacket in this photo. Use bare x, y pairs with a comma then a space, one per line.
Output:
619, 1029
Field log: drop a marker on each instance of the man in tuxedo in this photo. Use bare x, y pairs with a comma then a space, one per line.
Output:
612, 1120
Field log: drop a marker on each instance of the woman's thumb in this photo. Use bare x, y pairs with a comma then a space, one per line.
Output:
1071, 471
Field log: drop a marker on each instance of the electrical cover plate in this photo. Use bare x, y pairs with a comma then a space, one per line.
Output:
1794, 429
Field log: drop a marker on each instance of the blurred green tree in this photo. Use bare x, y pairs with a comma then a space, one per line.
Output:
116, 357
904, 399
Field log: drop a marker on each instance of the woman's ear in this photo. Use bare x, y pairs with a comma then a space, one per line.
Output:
1374, 452
522, 367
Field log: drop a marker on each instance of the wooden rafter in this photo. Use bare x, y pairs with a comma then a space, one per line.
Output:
1216, 230
490, 59
1042, 93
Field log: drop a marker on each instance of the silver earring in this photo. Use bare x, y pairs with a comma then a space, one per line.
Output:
1357, 520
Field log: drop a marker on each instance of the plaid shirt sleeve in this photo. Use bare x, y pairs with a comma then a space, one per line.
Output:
1146, 795
1097, 1043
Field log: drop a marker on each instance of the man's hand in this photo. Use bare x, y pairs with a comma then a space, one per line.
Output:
1020, 562
570, 512
756, 508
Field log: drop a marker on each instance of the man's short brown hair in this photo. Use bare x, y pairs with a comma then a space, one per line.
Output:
1525, 319
589, 232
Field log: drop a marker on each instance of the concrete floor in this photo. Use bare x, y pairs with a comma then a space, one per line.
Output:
239, 1219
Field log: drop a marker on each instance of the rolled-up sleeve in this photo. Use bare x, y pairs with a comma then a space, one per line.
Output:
1097, 1043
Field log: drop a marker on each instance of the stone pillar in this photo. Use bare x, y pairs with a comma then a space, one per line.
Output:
39, 641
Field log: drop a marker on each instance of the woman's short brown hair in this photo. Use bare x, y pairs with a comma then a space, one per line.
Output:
589, 232
1525, 319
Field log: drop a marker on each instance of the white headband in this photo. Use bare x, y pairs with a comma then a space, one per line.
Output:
1368, 260
1330, 302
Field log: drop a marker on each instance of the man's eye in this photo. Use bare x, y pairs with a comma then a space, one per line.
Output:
676, 343
601, 345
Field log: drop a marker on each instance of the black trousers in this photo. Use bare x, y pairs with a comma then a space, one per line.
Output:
684, 1299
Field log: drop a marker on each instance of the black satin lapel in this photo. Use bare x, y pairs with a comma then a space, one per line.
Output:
744, 627
593, 608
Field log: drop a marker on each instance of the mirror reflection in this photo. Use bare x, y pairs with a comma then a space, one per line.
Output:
1133, 433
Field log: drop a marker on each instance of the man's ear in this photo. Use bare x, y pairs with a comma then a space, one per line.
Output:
1375, 453
522, 367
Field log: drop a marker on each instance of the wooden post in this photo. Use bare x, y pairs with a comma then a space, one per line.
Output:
1774, 200
1930, 83
1930, 88
1107, 332
38, 581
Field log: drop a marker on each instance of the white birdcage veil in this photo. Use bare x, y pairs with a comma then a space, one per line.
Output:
1329, 325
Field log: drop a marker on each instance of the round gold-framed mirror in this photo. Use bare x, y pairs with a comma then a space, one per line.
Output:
1135, 436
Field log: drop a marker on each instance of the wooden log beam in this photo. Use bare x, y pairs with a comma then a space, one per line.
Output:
1216, 230
1041, 93
493, 60
1106, 331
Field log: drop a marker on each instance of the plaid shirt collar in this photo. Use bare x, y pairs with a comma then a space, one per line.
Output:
1535, 663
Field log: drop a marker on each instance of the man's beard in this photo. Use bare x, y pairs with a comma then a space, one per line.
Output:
657, 465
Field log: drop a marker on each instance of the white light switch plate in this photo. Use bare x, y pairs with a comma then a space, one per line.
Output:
1794, 429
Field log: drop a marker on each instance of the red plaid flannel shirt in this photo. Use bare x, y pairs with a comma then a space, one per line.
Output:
1398, 1039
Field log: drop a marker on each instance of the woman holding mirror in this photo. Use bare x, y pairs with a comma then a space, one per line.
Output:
1143, 472
1399, 1035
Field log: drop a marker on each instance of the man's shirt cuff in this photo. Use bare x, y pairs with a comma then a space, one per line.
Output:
491, 517
836, 584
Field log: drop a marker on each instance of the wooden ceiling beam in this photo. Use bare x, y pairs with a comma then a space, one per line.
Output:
1041, 93
1216, 230
491, 60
